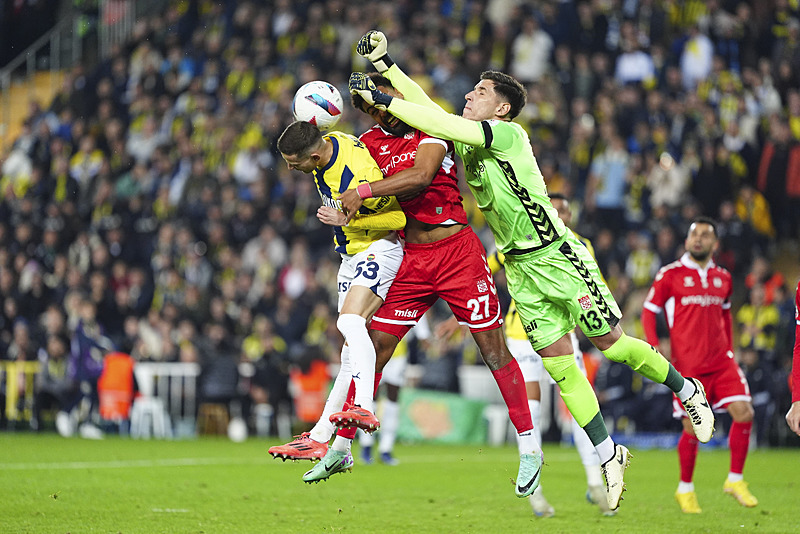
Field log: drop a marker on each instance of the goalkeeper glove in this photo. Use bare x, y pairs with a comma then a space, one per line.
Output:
373, 46
361, 85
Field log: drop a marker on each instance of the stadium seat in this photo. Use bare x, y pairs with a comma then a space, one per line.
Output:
149, 417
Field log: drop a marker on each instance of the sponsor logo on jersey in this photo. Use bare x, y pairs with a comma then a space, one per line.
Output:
396, 160
329, 202
406, 313
688, 281
702, 300
585, 302
482, 286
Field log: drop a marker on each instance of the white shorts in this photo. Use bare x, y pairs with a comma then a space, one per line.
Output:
530, 363
374, 268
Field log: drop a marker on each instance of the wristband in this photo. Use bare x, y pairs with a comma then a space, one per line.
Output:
364, 191
382, 99
383, 63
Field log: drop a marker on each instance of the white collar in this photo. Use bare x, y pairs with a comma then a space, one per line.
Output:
687, 260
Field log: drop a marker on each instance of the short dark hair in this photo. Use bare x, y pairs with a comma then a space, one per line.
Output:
706, 220
509, 89
378, 80
299, 138
558, 196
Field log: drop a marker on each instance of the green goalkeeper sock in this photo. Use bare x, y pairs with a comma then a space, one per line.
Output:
576, 390
645, 360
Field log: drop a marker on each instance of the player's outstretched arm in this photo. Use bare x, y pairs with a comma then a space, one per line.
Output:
405, 184
433, 121
374, 47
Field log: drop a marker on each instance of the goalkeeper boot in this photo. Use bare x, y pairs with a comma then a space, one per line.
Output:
738, 490
700, 413
613, 471
302, 447
529, 475
356, 417
688, 502
333, 462
541, 508
597, 495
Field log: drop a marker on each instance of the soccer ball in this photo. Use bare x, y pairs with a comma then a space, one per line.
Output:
318, 103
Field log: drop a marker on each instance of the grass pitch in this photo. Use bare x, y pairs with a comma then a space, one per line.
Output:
55, 485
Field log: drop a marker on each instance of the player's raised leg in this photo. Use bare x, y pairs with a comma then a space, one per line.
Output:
372, 273
314, 444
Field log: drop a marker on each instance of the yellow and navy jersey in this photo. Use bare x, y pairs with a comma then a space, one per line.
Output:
350, 166
514, 328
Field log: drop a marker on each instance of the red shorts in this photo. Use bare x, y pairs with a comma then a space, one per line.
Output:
722, 388
453, 269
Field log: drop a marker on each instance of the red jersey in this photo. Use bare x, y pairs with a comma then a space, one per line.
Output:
698, 311
796, 352
439, 202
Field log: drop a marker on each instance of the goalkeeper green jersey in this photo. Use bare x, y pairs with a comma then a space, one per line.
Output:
499, 166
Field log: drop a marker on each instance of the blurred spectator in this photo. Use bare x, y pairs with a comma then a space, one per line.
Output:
758, 322
530, 51
762, 272
752, 208
53, 388
696, 57
606, 187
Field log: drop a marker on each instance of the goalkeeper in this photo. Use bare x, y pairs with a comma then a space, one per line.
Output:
552, 278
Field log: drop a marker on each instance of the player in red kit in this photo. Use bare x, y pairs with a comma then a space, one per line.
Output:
695, 295
793, 416
443, 258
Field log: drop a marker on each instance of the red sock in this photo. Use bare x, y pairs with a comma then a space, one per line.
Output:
739, 442
377, 383
349, 432
687, 455
512, 387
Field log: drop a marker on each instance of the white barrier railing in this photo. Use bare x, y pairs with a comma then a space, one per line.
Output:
173, 387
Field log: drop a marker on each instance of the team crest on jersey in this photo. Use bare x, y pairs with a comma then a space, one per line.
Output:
439, 210
688, 281
482, 286
409, 135
717, 283
585, 302
370, 257
384, 150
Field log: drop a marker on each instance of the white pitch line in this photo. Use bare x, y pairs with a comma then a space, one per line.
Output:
120, 464
550, 457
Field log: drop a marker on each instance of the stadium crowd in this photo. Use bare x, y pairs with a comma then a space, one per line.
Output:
146, 207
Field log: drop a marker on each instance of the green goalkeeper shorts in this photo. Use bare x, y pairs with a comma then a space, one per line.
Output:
559, 290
